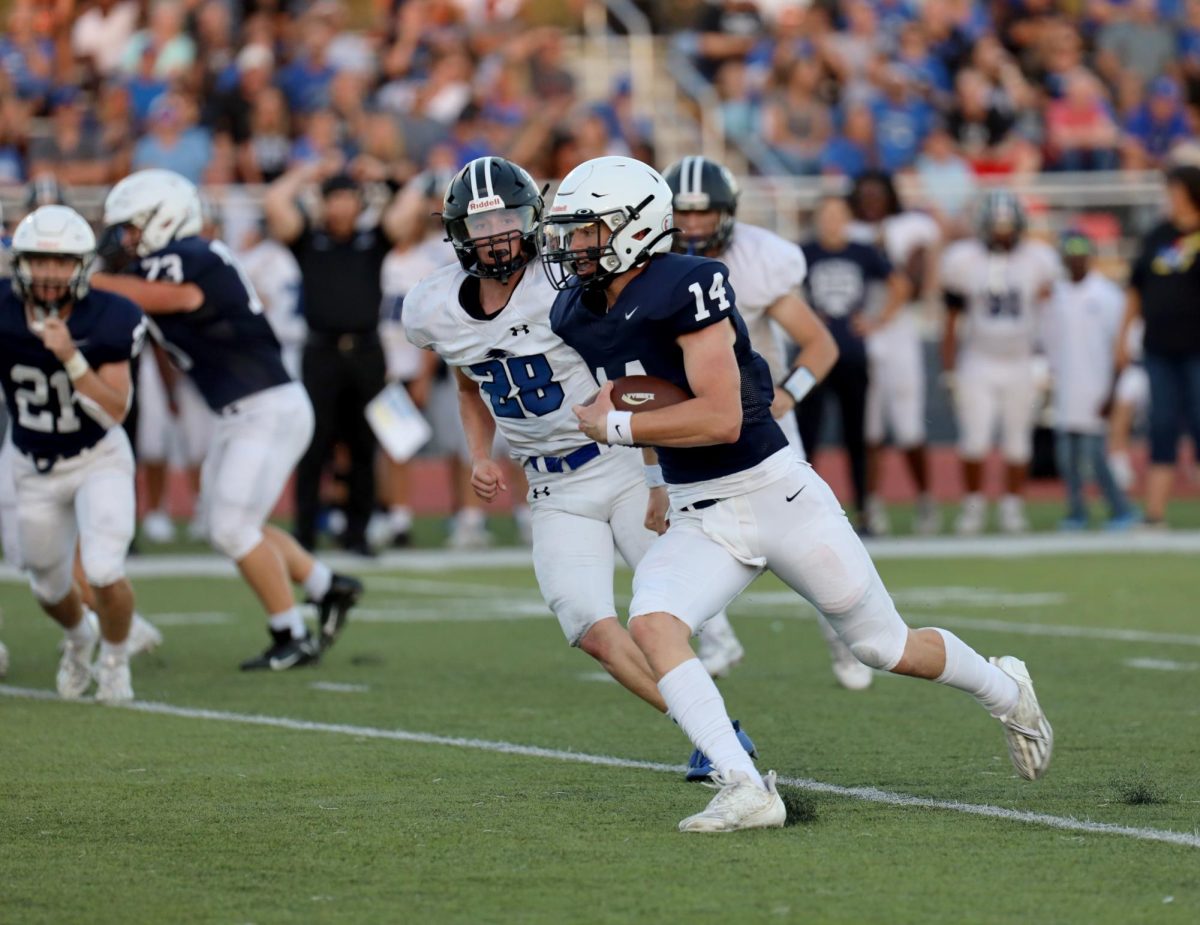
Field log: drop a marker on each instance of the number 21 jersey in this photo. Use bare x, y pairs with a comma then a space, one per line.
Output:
527, 376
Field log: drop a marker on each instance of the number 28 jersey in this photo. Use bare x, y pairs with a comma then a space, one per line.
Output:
227, 345
47, 423
527, 376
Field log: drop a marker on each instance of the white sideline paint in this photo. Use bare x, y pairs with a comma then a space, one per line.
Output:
336, 688
1161, 664
931, 597
1179, 542
199, 618
869, 794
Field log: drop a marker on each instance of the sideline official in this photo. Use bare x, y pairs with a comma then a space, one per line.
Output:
343, 365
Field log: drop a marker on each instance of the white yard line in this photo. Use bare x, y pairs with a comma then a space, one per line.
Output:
335, 688
869, 794
198, 618
1162, 664
1180, 542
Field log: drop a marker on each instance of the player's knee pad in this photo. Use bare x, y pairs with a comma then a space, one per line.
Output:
872, 628
1018, 446
50, 585
103, 559
232, 532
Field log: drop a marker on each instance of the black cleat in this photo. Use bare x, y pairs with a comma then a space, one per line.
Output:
285, 652
334, 607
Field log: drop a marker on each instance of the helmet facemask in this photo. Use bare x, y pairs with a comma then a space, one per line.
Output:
118, 246
577, 252
49, 282
712, 244
495, 244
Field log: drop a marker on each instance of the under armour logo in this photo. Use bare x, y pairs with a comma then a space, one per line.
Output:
518, 329
540, 493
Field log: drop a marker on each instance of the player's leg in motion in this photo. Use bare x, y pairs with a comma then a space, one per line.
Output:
144, 636
816, 552
155, 427
683, 578
253, 451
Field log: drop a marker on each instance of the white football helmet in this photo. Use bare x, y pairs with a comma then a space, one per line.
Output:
161, 204
634, 203
52, 231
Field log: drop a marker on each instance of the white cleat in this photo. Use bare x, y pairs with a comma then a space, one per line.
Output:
1012, 515
3, 661
75, 667
928, 521
466, 535
113, 684
739, 804
719, 650
877, 516
973, 516
158, 528
144, 636
851, 673
1030, 738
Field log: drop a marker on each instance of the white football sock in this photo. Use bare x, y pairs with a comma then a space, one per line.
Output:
969, 671
316, 585
118, 651
400, 518
470, 517
289, 620
694, 702
81, 633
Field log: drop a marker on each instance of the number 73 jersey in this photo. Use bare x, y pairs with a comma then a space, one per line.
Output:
527, 376
47, 423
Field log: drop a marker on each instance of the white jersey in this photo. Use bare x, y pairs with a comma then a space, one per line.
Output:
275, 275
1083, 324
901, 235
401, 272
527, 376
1002, 292
762, 268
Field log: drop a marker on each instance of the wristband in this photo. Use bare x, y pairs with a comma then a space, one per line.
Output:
799, 383
654, 477
77, 366
620, 428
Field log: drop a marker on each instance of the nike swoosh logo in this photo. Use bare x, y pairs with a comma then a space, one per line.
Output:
629, 315
792, 498
619, 434
279, 664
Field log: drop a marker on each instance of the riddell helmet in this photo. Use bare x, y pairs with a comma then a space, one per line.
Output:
491, 212
630, 198
1001, 220
161, 204
699, 185
51, 231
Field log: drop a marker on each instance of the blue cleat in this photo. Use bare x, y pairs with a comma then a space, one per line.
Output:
700, 768
1124, 522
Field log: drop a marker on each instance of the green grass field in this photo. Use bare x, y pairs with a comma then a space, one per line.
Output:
131, 816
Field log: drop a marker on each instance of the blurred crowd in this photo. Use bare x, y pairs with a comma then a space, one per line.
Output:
239, 92
952, 89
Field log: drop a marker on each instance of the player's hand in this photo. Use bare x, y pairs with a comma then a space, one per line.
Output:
57, 339
657, 509
863, 326
487, 479
593, 416
782, 404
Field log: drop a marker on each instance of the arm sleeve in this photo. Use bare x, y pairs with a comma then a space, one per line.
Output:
701, 296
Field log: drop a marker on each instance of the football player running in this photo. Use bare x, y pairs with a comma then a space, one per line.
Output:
65, 355
994, 286
767, 273
488, 317
741, 500
208, 318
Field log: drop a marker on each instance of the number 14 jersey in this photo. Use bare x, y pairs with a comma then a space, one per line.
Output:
527, 376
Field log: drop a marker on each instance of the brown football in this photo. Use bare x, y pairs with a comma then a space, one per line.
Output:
646, 393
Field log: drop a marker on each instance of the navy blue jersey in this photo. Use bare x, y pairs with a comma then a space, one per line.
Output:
226, 346
674, 295
47, 424
837, 287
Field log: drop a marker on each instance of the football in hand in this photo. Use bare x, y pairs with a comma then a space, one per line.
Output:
645, 393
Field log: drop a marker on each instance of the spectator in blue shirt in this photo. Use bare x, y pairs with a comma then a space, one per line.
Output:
26, 59
1156, 126
901, 121
174, 142
305, 82
852, 149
